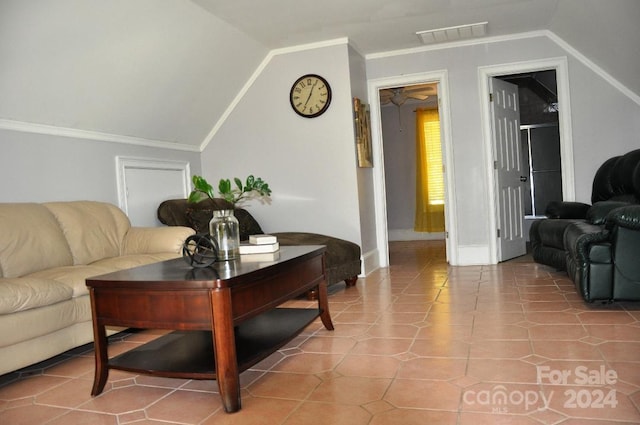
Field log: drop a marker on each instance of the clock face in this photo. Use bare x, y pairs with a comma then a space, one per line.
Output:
310, 95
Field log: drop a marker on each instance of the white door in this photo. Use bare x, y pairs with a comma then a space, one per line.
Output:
143, 184
509, 170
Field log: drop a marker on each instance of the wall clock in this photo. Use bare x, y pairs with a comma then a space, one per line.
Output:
310, 96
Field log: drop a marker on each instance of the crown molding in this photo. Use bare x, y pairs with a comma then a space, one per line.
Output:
236, 100
497, 39
595, 68
52, 130
309, 46
453, 44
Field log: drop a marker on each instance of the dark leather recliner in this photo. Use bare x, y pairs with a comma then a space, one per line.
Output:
598, 245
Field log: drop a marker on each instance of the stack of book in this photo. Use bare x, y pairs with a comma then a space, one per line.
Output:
260, 248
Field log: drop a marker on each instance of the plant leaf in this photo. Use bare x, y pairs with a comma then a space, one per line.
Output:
201, 184
201, 189
224, 187
195, 197
238, 183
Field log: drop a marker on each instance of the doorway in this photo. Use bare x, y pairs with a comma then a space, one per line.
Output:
400, 107
440, 79
559, 66
539, 138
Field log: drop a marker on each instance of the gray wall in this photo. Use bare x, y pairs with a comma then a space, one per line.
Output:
605, 121
144, 68
310, 164
43, 167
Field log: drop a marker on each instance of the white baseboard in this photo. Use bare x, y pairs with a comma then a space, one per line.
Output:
473, 255
370, 262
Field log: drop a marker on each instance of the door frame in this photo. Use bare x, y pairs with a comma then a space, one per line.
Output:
564, 124
380, 202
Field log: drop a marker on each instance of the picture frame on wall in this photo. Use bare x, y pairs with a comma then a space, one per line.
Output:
362, 123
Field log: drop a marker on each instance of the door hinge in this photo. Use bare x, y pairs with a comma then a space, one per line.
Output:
498, 233
490, 97
446, 235
495, 165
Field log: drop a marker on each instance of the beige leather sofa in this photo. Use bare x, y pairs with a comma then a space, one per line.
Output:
46, 253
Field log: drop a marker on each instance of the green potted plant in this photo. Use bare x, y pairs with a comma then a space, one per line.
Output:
223, 227
252, 188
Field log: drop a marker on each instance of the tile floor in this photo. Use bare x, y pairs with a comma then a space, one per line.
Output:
417, 343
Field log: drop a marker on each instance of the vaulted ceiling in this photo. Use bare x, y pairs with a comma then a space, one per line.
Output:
605, 31
167, 70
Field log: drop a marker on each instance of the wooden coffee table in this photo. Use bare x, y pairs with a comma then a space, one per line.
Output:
225, 318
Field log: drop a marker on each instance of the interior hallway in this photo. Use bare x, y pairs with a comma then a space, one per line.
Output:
417, 343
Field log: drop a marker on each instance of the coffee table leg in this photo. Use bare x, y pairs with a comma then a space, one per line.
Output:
100, 347
323, 304
224, 348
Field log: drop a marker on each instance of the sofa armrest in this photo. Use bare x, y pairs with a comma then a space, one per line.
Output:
150, 240
627, 216
625, 229
579, 236
599, 212
564, 209
589, 261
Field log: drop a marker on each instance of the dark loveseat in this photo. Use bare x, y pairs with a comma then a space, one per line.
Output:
599, 244
342, 258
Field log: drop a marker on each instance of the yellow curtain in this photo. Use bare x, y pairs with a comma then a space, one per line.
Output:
429, 173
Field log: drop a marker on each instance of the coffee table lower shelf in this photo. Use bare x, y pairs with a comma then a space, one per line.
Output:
190, 355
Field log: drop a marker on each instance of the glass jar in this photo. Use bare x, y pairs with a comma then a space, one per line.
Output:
225, 232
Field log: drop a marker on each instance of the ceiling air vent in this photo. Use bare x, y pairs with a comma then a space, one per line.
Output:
459, 32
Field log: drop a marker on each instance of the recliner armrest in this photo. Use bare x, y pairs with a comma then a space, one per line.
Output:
627, 217
565, 209
599, 212
589, 261
579, 236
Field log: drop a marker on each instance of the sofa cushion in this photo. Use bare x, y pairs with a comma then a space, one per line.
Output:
551, 232
129, 261
24, 293
72, 276
94, 230
36, 322
31, 240
342, 257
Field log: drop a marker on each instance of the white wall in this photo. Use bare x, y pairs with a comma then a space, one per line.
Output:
310, 164
605, 122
